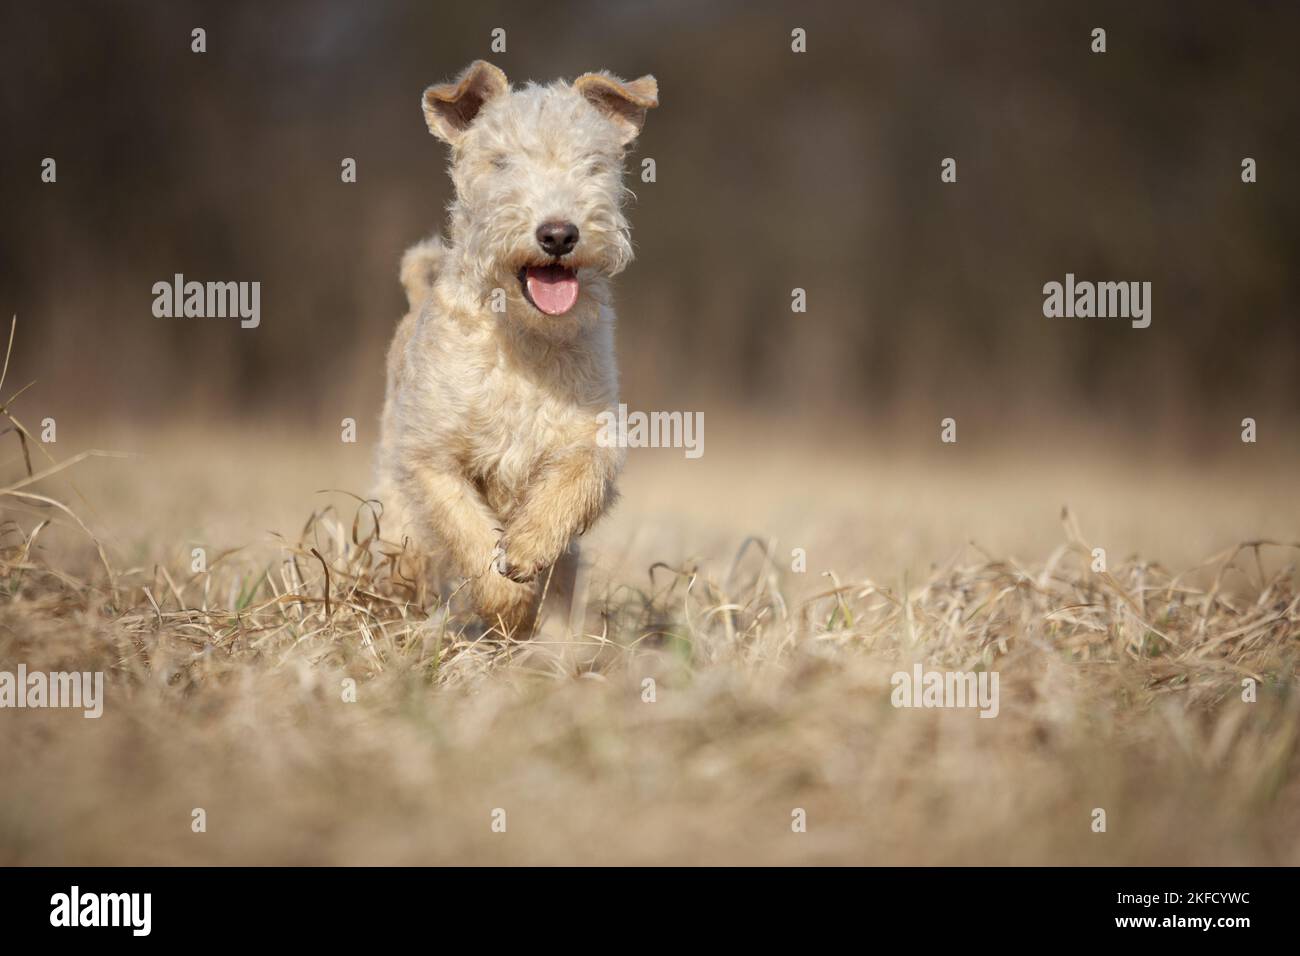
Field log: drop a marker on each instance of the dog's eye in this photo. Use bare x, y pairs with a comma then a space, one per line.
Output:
501, 161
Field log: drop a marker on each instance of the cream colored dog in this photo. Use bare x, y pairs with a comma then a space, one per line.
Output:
489, 459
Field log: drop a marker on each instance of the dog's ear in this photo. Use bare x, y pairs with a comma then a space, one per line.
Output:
624, 103
449, 108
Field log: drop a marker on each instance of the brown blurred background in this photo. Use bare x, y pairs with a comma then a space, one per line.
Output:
775, 170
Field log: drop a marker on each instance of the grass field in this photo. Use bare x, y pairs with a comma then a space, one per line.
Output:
1119, 690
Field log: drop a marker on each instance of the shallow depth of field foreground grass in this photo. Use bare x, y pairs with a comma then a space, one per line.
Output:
1120, 691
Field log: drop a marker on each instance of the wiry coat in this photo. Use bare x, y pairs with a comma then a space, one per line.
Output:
489, 433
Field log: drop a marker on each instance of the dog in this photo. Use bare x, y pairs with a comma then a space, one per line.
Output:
490, 458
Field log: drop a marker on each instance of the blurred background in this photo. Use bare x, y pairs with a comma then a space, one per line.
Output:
775, 170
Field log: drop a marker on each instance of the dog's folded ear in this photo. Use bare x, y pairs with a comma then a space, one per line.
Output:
623, 102
449, 108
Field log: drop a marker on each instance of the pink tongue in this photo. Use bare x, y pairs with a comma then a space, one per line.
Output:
553, 289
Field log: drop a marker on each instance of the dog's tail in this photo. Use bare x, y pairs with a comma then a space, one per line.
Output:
420, 267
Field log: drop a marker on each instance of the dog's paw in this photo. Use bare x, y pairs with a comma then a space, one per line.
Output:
507, 567
521, 575
522, 556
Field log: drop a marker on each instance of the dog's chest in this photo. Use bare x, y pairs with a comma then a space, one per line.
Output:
520, 420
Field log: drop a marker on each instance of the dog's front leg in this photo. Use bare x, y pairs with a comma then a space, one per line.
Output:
468, 529
569, 494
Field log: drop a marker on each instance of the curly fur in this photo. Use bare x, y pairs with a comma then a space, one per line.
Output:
489, 431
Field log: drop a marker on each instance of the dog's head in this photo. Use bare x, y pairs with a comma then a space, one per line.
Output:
538, 173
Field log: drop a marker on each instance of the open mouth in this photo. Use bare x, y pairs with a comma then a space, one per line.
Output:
551, 289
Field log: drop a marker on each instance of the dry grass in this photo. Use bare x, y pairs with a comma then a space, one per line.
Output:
1119, 690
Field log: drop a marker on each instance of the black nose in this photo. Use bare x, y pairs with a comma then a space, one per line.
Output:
557, 238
